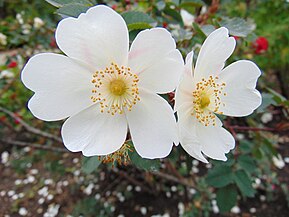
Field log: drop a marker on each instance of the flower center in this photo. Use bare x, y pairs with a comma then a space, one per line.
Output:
115, 88
207, 101
204, 101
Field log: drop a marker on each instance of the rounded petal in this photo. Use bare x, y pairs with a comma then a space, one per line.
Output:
241, 96
188, 137
153, 56
152, 126
216, 49
191, 133
61, 85
93, 132
97, 37
215, 141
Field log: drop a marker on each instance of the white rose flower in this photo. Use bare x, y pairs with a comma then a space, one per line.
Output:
211, 89
105, 88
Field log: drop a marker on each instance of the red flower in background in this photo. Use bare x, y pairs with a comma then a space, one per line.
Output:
52, 42
12, 64
261, 45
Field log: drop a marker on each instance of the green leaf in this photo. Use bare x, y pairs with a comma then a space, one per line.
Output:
247, 163
145, 164
174, 14
207, 29
220, 176
278, 98
138, 20
244, 183
246, 146
267, 100
227, 198
237, 26
72, 10
90, 164
61, 3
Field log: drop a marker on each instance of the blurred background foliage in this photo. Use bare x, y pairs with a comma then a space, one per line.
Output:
40, 178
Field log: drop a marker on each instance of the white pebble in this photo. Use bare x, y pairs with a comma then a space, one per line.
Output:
262, 198
192, 191
48, 181
129, 188
4, 157
11, 193
34, 171
137, 188
253, 210
286, 159
174, 188
65, 183
30, 179
235, 210
15, 197
143, 210
41, 200
18, 182
215, 209
168, 194
97, 196
23, 211
21, 195
50, 197
266, 117
26, 149
181, 208
75, 160
2, 193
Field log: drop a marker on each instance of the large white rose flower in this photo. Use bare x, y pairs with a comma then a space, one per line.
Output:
105, 88
210, 88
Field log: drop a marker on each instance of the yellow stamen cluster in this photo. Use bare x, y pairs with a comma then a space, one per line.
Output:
121, 156
115, 88
207, 100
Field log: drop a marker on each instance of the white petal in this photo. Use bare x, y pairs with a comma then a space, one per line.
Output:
97, 37
216, 49
188, 137
242, 97
93, 132
152, 126
189, 66
62, 86
192, 136
215, 141
184, 92
153, 56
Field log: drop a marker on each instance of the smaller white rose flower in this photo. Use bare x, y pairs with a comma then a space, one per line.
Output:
211, 89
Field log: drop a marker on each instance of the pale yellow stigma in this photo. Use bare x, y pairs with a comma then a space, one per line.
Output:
204, 101
115, 88
207, 100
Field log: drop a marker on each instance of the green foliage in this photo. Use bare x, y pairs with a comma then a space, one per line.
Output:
137, 20
220, 176
144, 164
90, 164
227, 197
237, 26
244, 183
